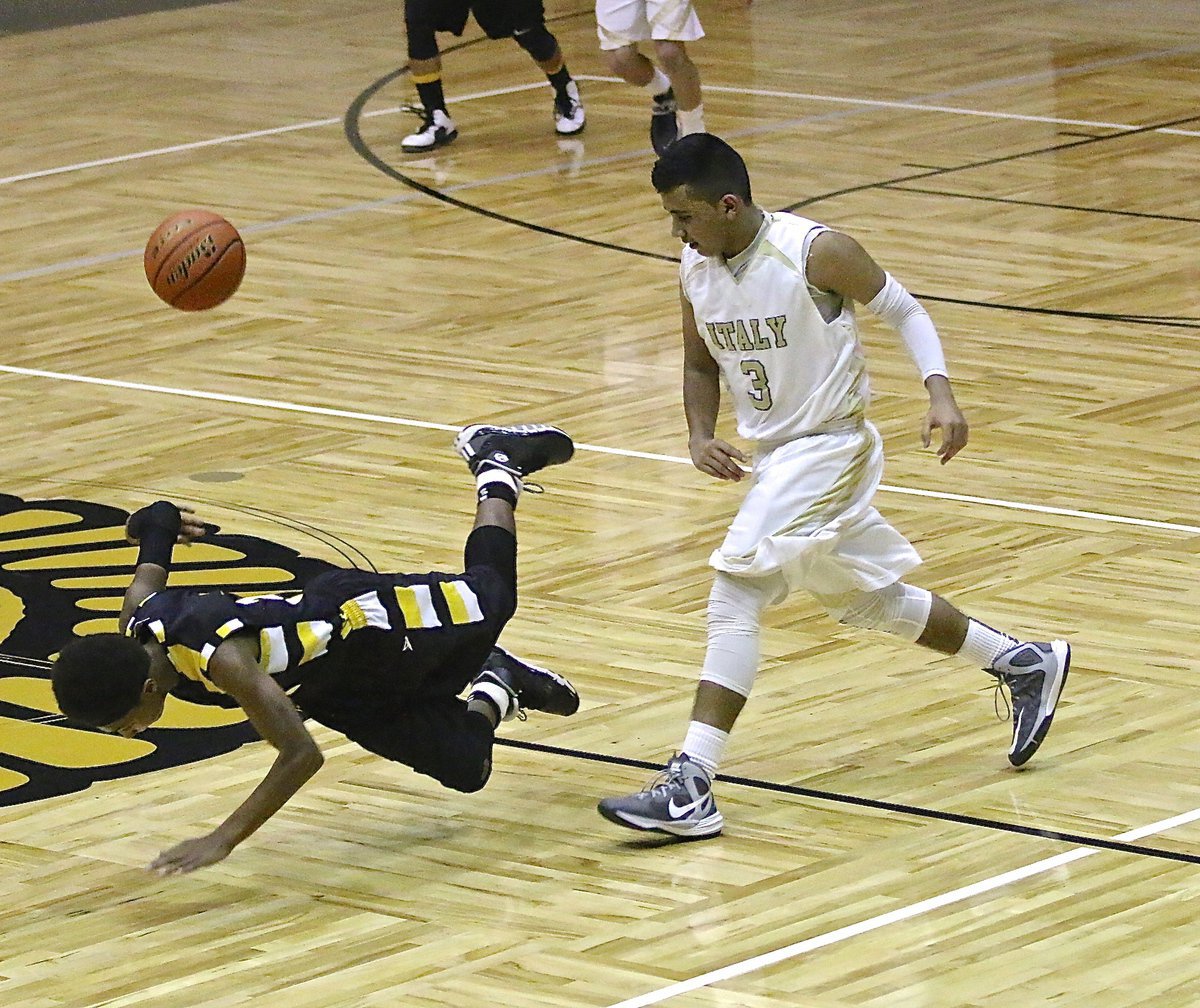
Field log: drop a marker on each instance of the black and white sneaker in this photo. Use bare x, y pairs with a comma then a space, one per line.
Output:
664, 127
1035, 675
678, 802
437, 130
569, 117
528, 687
520, 449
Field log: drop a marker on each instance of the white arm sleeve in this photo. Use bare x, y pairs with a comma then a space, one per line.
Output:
903, 312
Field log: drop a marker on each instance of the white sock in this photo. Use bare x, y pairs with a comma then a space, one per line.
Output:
983, 645
659, 84
705, 745
501, 699
691, 121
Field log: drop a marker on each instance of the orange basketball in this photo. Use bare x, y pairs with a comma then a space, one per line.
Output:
195, 260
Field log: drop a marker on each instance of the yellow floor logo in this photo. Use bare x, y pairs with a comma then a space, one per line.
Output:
64, 567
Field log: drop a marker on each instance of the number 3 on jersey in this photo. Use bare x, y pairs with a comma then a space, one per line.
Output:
760, 390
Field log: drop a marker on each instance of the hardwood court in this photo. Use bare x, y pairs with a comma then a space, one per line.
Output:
1028, 170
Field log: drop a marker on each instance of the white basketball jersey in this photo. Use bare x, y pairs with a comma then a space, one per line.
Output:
790, 372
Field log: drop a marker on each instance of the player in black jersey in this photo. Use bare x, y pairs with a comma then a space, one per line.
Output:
382, 658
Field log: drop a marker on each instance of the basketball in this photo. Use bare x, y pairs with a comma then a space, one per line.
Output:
195, 260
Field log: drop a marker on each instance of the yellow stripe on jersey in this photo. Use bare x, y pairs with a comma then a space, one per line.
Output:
462, 602
417, 605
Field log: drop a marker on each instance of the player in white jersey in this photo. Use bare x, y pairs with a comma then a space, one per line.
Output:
674, 84
767, 305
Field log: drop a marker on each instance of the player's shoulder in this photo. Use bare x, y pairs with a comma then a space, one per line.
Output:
791, 229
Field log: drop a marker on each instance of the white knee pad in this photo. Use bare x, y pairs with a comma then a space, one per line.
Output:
734, 608
898, 609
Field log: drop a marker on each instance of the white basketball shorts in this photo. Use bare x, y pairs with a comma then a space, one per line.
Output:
808, 515
625, 22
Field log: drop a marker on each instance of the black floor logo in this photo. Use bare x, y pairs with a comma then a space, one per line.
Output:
64, 567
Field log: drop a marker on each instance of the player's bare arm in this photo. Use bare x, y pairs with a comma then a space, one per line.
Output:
234, 669
701, 402
840, 265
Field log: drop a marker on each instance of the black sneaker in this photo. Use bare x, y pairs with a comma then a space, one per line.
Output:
664, 127
531, 687
1035, 675
437, 130
520, 449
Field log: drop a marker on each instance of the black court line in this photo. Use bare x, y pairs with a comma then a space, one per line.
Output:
1078, 839
950, 194
1002, 159
359, 145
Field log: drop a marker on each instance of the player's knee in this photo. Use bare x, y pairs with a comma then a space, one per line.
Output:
897, 609
672, 56
537, 41
467, 778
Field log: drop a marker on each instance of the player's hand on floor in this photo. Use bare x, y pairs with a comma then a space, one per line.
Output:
719, 459
190, 855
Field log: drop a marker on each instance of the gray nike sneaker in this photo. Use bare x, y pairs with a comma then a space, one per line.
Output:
679, 802
1035, 675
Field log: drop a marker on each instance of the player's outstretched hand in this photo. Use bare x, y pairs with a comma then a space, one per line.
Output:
190, 855
167, 516
719, 459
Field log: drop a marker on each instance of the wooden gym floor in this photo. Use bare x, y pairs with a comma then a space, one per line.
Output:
1028, 169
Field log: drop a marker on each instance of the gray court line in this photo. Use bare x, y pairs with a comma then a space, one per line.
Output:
278, 404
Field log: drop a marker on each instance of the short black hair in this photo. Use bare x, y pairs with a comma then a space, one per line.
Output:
706, 164
98, 679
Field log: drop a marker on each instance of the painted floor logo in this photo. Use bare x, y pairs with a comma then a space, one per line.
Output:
64, 568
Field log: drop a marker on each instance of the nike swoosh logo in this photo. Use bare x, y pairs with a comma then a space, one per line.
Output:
679, 811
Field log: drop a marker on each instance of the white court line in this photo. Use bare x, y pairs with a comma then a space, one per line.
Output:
895, 916
279, 404
475, 96
234, 137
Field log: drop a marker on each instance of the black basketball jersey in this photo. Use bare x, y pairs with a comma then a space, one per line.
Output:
294, 630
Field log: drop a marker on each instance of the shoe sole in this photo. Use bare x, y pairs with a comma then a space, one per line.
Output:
1062, 651
462, 441
571, 132
710, 826
410, 149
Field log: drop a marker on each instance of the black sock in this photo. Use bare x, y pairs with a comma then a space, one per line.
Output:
431, 95
559, 81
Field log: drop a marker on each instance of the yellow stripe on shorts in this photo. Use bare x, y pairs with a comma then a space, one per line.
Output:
462, 602
417, 605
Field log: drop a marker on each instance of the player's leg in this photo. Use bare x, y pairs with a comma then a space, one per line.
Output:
421, 20
501, 458
685, 85
529, 31
621, 25
1033, 672
680, 800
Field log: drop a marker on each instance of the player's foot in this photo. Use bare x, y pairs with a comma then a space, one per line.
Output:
1035, 675
520, 449
679, 802
569, 117
437, 130
664, 127
528, 687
